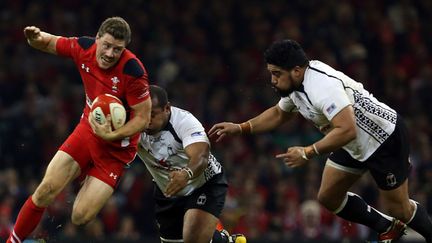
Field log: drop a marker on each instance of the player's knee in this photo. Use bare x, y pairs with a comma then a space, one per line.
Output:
322, 198
81, 217
44, 194
327, 200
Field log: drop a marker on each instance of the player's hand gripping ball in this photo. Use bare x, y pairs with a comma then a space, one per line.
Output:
108, 104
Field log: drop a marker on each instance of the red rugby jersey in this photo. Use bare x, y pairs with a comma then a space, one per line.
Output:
127, 80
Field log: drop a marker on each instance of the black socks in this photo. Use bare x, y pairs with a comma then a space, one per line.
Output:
356, 210
421, 222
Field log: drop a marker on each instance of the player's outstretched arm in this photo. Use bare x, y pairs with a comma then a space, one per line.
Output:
266, 121
41, 40
343, 131
220, 130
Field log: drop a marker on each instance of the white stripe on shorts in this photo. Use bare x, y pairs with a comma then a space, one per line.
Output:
344, 168
170, 240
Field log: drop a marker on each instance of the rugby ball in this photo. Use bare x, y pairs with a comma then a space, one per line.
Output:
109, 104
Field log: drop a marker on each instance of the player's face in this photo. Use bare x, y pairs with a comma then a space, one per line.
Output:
284, 81
108, 50
159, 118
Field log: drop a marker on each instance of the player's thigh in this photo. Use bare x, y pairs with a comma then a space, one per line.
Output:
99, 184
169, 214
389, 165
336, 181
203, 208
60, 171
198, 226
92, 196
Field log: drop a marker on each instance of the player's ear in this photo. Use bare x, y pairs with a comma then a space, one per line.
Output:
297, 71
167, 107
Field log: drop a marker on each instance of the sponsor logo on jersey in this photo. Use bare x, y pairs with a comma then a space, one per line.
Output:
331, 108
146, 92
195, 134
114, 176
84, 67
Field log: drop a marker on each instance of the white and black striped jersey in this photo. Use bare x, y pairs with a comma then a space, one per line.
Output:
326, 91
165, 151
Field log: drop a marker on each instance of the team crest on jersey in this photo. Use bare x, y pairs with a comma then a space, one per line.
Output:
115, 81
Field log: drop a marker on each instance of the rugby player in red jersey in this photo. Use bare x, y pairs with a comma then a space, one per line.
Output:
105, 66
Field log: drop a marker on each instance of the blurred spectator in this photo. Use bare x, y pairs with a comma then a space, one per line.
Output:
127, 230
310, 220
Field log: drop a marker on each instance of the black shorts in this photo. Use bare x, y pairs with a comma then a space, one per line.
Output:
170, 212
389, 165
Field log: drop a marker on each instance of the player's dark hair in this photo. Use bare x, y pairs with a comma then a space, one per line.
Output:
160, 94
286, 54
117, 27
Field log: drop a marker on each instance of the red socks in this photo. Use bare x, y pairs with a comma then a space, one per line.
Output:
219, 226
27, 220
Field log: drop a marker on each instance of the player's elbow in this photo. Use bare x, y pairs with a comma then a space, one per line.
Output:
203, 159
350, 134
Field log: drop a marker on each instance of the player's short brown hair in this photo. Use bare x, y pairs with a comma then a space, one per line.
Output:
158, 93
117, 27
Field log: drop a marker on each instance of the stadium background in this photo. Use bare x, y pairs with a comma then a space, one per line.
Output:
208, 54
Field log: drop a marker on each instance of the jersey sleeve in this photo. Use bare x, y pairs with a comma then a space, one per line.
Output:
287, 104
67, 47
333, 100
137, 90
191, 131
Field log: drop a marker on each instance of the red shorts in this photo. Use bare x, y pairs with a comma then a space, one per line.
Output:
96, 157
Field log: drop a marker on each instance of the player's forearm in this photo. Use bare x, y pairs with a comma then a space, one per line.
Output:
266, 121
198, 154
343, 131
198, 164
46, 43
334, 140
136, 125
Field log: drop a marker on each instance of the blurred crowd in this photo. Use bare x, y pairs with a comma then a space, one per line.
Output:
208, 55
